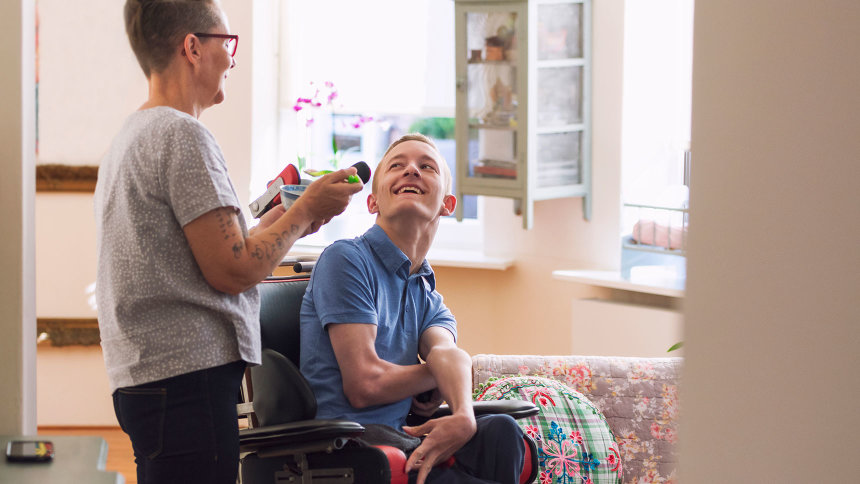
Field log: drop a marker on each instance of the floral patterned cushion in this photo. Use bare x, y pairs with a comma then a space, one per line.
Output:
638, 396
575, 444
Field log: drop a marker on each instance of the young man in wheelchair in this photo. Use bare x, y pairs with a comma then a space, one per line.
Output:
371, 309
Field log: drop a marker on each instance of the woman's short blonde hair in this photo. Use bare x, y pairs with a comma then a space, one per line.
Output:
443, 165
156, 28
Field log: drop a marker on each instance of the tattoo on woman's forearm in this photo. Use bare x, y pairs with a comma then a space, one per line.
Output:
225, 224
238, 248
278, 241
294, 231
257, 253
266, 250
270, 250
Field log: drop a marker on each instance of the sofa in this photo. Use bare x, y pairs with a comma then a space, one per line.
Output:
638, 397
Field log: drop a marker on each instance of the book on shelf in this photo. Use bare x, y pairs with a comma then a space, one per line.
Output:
496, 169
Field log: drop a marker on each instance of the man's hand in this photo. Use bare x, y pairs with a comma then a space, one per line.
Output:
444, 436
427, 407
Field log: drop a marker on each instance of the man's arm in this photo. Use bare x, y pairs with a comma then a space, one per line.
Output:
368, 379
451, 368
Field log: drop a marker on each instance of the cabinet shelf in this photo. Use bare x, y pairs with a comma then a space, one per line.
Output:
563, 128
500, 127
554, 63
492, 63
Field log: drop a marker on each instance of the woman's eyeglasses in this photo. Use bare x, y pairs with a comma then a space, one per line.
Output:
232, 41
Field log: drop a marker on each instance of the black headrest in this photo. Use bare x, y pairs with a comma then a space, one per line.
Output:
280, 305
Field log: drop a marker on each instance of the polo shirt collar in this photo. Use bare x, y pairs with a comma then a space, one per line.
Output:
393, 258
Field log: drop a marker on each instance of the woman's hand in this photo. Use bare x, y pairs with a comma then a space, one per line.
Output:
326, 197
268, 218
314, 226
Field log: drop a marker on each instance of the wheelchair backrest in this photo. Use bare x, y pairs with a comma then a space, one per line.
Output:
280, 305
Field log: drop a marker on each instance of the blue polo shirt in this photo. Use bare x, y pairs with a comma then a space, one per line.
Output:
366, 280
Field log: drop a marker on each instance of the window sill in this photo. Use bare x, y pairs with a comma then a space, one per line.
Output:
467, 259
613, 280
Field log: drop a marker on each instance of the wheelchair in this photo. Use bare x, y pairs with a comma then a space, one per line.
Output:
284, 443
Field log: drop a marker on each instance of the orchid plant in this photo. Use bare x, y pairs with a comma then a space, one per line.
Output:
309, 108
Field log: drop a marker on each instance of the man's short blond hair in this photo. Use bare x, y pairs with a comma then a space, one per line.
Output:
443, 164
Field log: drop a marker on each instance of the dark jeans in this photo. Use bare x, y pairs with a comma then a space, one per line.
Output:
495, 454
184, 429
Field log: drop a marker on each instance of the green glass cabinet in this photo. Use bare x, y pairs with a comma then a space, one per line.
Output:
523, 117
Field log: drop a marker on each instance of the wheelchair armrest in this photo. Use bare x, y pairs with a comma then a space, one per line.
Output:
305, 435
515, 408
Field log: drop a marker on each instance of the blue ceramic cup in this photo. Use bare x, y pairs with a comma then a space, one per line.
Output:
291, 193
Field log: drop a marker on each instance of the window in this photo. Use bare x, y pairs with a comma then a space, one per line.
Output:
658, 41
392, 72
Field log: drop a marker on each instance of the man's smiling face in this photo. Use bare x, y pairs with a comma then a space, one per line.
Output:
411, 180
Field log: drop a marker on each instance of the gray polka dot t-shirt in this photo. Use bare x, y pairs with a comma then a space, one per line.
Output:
158, 316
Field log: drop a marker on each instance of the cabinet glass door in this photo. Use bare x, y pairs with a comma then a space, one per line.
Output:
492, 95
560, 74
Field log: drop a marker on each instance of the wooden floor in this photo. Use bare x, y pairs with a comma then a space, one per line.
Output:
120, 457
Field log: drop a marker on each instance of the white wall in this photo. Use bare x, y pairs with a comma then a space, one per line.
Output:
610, 328
89, 80
66, 255
770, 384
72, 385
73, 388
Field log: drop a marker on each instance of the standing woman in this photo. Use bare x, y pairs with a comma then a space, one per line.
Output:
177, 267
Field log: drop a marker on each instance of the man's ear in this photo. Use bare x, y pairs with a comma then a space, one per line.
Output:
191, 48
449, 203
372, 207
